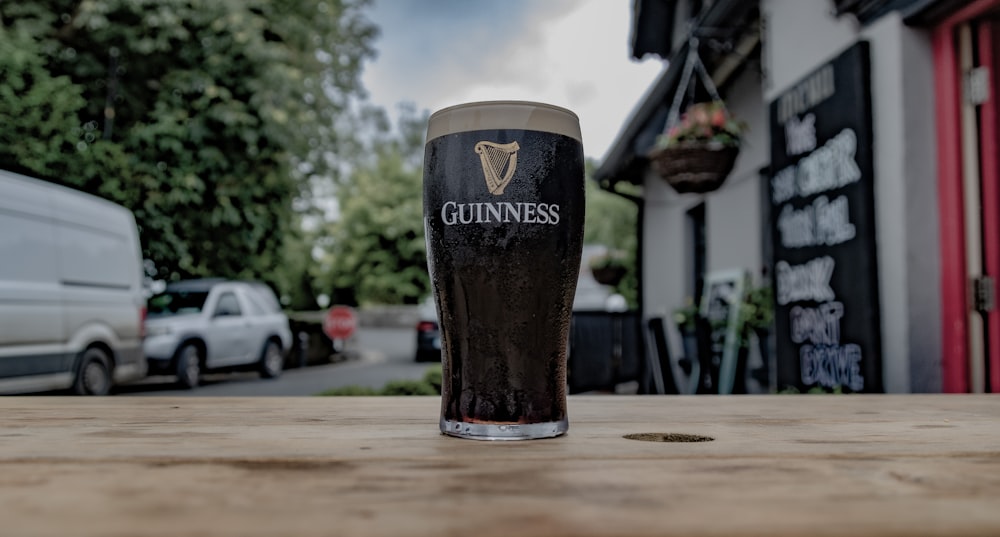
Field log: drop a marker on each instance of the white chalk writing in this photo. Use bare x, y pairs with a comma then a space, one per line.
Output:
808, 94
819, 325
800, 135
832, 366
809, 281
824, 222
829, 167
783, 185
833, 221
796, 227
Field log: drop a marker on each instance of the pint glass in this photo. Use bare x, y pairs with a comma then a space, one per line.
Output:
503, 217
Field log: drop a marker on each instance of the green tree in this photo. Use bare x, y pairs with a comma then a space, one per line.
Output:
378, 250
611, 221
40, 129
208, 118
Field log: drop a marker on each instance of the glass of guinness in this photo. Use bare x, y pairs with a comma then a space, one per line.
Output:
503, 215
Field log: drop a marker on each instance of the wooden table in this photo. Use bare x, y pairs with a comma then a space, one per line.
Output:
802, 465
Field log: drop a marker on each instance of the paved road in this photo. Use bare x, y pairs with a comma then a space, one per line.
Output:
384, 354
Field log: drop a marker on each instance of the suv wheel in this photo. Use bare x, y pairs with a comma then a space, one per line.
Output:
272, 362
94, 375
189, 366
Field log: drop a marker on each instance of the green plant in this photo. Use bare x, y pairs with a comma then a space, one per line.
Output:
430, 384
408, 387
350, 390
704, 123
433, 377
686, 316
756, 312
757, 309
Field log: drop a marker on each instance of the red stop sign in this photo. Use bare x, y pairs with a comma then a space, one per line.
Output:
340, 322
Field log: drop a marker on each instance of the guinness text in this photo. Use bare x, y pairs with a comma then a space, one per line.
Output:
453, 213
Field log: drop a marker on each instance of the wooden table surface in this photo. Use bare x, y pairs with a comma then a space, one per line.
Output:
802, 465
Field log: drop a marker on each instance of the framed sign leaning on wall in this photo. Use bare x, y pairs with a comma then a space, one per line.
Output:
720, 306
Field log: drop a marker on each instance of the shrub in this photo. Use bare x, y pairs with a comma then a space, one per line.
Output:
350, 390
408, 387
430, 384
433, 377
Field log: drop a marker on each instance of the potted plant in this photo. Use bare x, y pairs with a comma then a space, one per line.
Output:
686, 320
756, 312
757, 317
697, 153
609, 268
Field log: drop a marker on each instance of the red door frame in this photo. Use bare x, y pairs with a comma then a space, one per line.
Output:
989, 139
954, 286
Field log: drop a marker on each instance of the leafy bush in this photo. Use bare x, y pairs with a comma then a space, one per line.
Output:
408, 387
433, 377
350, 390
430, 384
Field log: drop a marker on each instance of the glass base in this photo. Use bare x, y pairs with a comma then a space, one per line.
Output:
493, 431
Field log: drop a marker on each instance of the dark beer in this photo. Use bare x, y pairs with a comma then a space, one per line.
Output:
503, 214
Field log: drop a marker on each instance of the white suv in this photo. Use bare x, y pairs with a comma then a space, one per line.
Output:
197, 326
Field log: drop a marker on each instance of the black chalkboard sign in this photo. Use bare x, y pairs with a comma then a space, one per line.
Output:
823, 229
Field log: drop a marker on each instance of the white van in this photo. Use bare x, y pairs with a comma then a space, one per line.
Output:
72, 309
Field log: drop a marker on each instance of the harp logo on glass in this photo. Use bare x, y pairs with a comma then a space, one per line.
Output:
499, 163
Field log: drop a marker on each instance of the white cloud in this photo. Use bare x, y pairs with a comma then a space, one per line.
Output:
573, 54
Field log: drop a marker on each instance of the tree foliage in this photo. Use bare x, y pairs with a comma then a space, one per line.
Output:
207, 118
612, 221
378, 249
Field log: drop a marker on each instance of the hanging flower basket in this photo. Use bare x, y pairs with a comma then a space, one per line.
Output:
609, 268
608, 275
694, 168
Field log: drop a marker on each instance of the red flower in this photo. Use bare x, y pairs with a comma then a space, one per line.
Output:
718, 118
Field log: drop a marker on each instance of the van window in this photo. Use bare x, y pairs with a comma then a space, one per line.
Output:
27, 252
91, 257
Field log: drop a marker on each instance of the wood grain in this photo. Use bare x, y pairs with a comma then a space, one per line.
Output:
778, 465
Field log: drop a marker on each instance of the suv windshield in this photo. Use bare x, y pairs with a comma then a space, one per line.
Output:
177, 303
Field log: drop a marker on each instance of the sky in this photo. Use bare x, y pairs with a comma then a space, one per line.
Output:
570, 53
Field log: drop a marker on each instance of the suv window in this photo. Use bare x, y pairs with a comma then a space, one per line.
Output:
264, 297
228, 305
253, 305
176, 303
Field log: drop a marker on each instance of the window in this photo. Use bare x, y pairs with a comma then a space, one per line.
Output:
228, 306
697, 247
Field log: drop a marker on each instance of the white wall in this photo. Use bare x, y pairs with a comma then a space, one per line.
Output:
733, 213
800, 36
666, 269
922, 220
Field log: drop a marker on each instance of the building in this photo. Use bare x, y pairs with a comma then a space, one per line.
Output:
866, 192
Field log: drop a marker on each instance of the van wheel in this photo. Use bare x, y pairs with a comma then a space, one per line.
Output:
189, 366
94, 374
272, 362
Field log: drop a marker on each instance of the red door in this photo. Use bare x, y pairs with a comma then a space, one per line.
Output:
967, 65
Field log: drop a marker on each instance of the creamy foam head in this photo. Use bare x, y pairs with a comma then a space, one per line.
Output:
523, 115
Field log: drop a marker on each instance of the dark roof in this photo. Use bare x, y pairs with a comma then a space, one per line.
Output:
724, 21
653, 27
